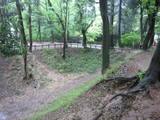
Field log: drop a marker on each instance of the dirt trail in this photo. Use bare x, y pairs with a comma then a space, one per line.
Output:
138, 63
19, 107
85, 107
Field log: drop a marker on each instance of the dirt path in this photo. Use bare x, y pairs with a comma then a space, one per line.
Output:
85, 107
19, 107
138, 63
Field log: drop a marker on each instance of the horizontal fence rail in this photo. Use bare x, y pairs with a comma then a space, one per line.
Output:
60, 45
73, 45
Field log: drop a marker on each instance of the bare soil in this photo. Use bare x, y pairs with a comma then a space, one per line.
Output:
143, 107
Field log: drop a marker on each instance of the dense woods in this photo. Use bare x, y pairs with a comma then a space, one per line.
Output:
90, 35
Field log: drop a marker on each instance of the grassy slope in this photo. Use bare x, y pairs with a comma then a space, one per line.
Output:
78, 60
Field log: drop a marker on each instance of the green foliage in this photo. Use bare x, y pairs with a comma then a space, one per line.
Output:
10, 47
8, 44
131, 40
95, 30
85, 13
140, 74
150, 5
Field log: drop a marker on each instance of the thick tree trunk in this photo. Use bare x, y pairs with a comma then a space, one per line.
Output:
106, 38
24, 41
30, 26
119, 24
151, 21
151, 31
154, 68
153, 72
84, 39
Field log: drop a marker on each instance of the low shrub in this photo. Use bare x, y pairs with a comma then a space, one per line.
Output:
131, 40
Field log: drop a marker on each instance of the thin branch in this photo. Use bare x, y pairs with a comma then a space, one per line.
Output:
61, 21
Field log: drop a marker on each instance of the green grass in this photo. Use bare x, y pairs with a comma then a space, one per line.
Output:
77, 61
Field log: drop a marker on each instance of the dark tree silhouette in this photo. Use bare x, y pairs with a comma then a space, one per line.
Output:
24, 41
106, 38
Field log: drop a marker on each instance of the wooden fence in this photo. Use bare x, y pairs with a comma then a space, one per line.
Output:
60, 45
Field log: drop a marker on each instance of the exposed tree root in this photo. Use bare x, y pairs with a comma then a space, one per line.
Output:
97, 116
119, 79
105, 103
146, 81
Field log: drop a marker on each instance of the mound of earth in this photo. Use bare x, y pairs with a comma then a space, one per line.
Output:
19, 97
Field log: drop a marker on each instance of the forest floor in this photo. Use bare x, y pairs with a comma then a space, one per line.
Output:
144, 107
22, 99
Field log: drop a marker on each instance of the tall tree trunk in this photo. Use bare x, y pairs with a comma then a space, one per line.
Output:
65, 29
120, 21
39, 30
39, 35
141, 21
52, 36
24, 41
151, 31
84, 38
63, 24
64, 44
106, 38
50, 22
111, 22
30, 26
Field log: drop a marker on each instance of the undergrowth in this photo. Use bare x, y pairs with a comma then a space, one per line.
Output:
78, 60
